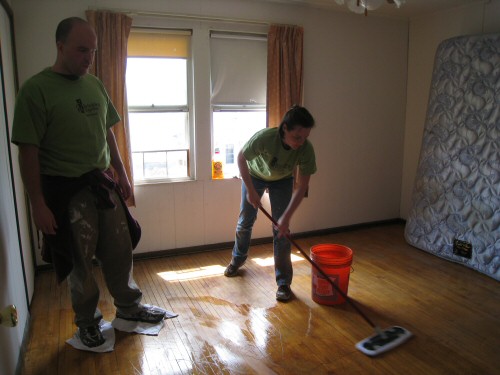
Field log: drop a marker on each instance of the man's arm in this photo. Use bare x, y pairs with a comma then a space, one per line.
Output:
30, 173
116, 162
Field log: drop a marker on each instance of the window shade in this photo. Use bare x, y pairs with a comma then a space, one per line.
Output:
162, 43
238, 69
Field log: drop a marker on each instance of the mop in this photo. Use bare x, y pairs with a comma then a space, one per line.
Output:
383, 339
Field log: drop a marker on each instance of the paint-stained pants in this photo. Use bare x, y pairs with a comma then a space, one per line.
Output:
102, 233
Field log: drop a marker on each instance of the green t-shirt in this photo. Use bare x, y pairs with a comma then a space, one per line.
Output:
67, 119
269, 160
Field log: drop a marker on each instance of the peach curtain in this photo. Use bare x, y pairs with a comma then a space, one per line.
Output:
284, 70
284, 73
110, 64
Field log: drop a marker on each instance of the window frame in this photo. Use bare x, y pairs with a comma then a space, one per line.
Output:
234, 107
188, 109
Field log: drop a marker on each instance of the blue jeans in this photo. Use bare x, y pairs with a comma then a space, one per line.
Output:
280, 194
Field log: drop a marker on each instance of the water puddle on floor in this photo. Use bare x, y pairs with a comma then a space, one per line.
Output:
241, 339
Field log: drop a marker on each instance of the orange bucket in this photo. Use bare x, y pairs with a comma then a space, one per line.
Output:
335, 261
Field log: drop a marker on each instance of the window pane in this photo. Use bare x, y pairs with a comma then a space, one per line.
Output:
160, 165
158, 131
159, 145
177, 164
156, 81
155, 165
138, 165
231, 131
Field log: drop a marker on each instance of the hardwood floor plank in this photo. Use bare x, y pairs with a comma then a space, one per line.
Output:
235, 325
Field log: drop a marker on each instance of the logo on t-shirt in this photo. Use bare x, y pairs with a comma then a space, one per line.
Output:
90, 109
273, 162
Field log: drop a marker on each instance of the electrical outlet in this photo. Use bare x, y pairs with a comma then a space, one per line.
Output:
462, 248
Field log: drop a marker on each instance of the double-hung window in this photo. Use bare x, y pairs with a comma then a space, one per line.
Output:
158, 96
238, 97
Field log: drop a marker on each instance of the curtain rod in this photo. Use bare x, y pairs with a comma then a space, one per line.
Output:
131, 12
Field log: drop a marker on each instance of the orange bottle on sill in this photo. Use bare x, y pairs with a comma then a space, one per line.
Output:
217, 166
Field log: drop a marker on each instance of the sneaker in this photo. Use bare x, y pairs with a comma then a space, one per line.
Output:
91, 336
231, 270
146, 314
284, 293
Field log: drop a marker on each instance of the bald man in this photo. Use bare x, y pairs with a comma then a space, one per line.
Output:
62, 125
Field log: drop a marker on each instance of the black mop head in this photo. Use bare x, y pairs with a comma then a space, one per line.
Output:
384, 340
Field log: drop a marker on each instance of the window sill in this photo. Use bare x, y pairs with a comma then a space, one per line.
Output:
163, 181
226, 179
177, 180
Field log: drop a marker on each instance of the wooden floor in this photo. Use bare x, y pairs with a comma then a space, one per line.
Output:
235, 326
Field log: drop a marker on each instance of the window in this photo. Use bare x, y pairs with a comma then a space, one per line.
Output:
238, 97
158, 104
229, 153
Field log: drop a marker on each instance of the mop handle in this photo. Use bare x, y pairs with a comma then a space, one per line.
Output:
318, 268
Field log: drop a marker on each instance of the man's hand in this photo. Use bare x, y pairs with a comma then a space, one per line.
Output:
124, 185
44, 218
30, 172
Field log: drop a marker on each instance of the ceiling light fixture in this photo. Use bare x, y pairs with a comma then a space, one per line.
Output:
363, 6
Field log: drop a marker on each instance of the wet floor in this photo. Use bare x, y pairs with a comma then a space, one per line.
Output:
236, 326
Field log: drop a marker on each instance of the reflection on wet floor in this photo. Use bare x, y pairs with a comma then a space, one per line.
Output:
224, 337
242, 340
219, 331
237, 338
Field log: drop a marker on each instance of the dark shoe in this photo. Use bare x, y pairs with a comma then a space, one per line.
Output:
146, 314
284, 293
91, 336
231, 271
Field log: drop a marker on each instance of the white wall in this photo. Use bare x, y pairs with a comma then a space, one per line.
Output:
355, 86
426, 33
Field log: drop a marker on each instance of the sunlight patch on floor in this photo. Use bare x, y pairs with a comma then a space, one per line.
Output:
213, 270
266, 262
193, 273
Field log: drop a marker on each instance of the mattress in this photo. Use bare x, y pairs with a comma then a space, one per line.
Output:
455, 211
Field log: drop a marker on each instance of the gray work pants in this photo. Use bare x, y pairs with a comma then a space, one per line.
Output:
102, 233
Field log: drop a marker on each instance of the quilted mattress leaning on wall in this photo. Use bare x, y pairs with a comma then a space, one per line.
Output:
456, 197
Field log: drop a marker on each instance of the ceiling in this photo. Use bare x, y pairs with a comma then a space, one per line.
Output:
412, 8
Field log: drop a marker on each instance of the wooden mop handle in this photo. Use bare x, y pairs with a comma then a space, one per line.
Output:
318, 268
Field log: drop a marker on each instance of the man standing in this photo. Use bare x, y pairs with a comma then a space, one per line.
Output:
62, 125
